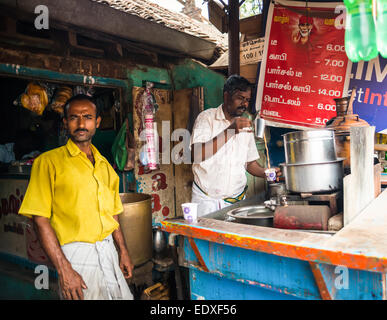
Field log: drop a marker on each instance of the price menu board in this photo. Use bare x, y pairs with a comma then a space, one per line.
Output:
251, 51
305, 66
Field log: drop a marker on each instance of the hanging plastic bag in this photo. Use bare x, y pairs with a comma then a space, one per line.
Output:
35, 98
123, 148
62, 94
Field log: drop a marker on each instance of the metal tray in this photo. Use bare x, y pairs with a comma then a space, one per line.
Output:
256, 215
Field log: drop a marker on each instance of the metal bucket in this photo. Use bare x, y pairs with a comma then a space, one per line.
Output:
310, 146
276, 189
136, 226
314, 177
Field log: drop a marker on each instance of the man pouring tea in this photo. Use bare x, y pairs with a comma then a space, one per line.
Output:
223, 149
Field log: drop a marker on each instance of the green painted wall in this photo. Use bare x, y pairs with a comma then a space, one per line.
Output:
187, 74
137, 76
191, 74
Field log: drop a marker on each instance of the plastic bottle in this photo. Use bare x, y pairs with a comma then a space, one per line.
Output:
360, 35
381, 27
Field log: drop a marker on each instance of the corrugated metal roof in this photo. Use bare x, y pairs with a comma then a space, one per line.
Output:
151, 11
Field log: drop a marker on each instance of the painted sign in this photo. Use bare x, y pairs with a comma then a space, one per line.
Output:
304, 66
370, 80
251, 51
17, 233
12, 225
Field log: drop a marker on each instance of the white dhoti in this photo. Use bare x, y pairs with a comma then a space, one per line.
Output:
98, 265
206, 204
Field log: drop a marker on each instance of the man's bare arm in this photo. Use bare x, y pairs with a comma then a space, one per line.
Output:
255, 169
71, 282
126, 264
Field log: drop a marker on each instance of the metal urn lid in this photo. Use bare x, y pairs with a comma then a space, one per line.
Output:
345, 118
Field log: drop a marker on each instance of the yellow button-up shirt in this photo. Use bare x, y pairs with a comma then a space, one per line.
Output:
79, 199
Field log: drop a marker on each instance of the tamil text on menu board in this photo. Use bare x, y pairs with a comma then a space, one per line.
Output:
304, 66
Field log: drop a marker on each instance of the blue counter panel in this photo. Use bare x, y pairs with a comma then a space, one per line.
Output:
236, 273
205, 286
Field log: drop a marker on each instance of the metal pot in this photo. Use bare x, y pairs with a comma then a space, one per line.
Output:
277, 189
255, 215
314, 177
136, 225
310, 146
159, 243
342, 125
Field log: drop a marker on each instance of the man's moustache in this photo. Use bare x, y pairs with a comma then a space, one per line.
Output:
79, 130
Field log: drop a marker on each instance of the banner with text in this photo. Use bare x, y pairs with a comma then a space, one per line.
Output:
304, 65
370, 80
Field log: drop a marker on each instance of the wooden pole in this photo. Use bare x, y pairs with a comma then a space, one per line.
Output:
233, 37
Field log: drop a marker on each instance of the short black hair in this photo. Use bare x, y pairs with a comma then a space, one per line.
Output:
80, 97
236, 82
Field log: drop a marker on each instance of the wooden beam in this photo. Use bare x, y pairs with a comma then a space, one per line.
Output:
380, 147
224, 5
320, 281
197, 254
233, 38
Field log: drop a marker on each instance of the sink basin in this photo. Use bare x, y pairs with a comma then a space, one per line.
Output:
223, 213
257, 215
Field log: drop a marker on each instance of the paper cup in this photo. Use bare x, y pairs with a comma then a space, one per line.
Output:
190, 211
270, 174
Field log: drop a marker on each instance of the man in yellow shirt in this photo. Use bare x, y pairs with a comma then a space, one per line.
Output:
73, 198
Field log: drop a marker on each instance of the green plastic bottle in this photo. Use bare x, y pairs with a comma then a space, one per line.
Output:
360, 35
381, 27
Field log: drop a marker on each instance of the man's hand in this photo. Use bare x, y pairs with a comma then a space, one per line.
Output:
278, 173
255, 169
126, 264
240, 124
71, 284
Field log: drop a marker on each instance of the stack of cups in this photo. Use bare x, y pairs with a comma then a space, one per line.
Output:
150, 141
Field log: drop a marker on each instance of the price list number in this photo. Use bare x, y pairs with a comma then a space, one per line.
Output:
335, 48
326, 107
331, 93
334, 63
331, 77
321, 120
